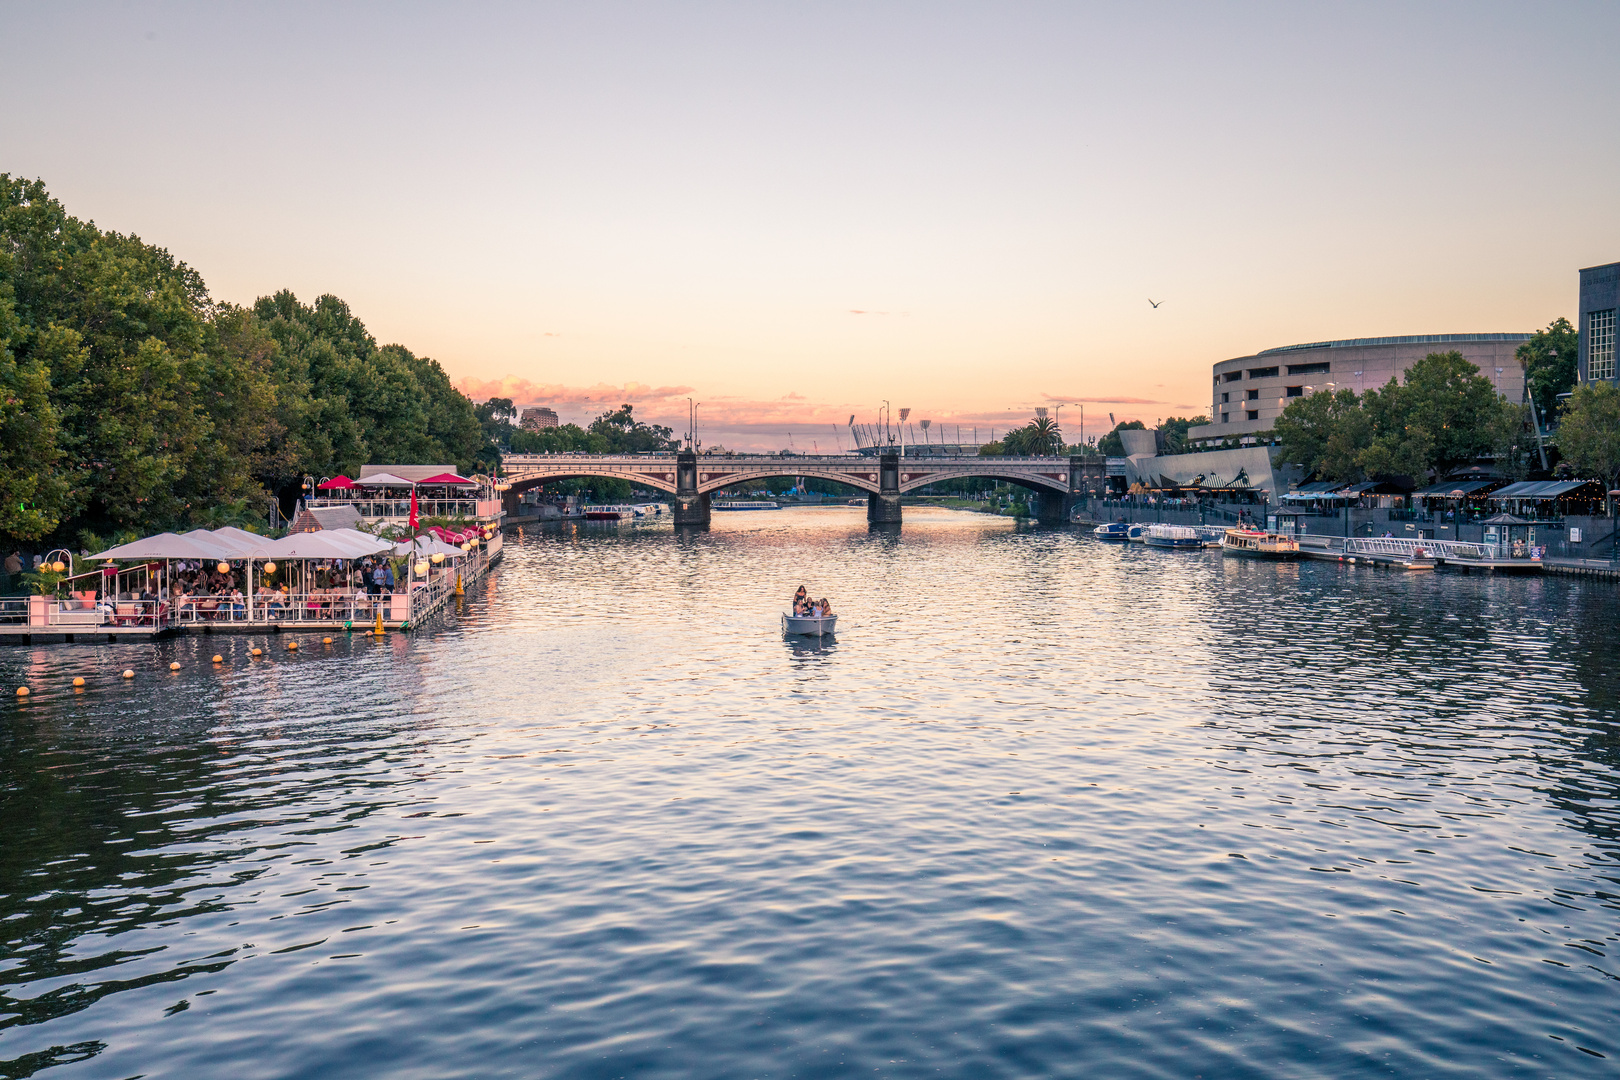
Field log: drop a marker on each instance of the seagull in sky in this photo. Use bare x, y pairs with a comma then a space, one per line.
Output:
1154, 302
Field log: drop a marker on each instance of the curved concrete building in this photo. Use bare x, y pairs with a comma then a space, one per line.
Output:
1250, 391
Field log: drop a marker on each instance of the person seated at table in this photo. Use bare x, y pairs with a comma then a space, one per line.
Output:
238, 604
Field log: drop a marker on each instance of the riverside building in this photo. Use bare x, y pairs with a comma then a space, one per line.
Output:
1250, 392
1600, 298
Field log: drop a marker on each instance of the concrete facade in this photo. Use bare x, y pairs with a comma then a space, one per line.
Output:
1600, 300
1249, 466
1250, 392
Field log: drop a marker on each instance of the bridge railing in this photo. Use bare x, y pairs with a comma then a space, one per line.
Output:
1443, 549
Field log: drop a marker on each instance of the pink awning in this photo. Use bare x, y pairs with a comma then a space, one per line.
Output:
449, 478
337, 483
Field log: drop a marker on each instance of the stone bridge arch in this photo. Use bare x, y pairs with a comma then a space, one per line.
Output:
912, 479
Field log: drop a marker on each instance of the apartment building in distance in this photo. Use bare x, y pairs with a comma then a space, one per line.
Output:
537, 418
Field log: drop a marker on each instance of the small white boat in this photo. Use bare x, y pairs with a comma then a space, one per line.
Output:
1136, 534
1177, 537
1112, 531
803, 624
744, 504
609, 513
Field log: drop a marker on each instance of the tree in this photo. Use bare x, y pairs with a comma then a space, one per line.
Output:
1444, 415
1175, 432
1550, 361
627, 435
1589, 434
32, 492
1110, 444
1325, 432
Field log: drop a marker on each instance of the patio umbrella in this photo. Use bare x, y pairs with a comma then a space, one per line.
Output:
337, 483
449, 478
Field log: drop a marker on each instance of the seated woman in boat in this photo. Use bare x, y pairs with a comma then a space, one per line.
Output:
824, 609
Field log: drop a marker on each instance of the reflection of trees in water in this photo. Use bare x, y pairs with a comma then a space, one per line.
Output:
1588, 640
120, 812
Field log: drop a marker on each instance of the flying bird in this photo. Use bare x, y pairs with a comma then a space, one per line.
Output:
1154, 302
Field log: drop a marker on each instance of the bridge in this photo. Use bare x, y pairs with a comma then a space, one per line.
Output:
693, 478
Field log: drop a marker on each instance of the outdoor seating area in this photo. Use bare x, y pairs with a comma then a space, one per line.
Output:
229, 579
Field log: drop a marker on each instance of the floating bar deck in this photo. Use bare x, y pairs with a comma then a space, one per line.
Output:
1399, 554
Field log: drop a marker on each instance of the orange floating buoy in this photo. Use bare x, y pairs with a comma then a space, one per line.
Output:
292, 645
218, 659
78, 680
326, 641
128, 674
175, 666
22, 691
258, 652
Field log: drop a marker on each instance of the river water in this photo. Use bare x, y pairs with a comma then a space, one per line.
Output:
1045, 807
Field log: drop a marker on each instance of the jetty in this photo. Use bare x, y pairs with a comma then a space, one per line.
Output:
1399, 554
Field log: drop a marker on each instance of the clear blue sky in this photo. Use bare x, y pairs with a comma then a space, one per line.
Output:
798, 210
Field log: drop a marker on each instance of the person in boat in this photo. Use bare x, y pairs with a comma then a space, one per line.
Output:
824, 609
801, 602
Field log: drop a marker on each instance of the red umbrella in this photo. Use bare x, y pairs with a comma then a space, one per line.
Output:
338, 483
449, 478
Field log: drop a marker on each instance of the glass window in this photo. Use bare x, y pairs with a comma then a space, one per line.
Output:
1262, 372
1309, 369
1254, 395
1254, 414
1232, 376
1600, 345
1296, 391
1226, 418
1226, 397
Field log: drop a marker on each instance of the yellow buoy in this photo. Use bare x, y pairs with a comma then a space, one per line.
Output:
326, 641
292, 644
128, 674
22, 691
175, 666
258, 652
218, 659
78, 680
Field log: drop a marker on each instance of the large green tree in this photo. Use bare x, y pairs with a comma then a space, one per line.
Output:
1325, 433
1589, 433
1550, 363
1110, 445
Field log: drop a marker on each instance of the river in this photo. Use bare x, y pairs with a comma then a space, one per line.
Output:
1045, 807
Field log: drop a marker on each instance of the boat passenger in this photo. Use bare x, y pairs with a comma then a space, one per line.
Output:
826, 608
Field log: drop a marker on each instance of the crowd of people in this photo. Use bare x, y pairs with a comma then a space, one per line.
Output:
806, 608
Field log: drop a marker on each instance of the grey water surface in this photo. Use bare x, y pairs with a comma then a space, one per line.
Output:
1045, 807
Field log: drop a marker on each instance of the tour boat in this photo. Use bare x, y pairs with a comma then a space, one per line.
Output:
807, 624
609, 513
741, 504
1136, 534
1210, 536
1110, 530
1257, 544
1179, 537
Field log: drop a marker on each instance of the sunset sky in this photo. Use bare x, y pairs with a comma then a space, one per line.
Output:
793, 212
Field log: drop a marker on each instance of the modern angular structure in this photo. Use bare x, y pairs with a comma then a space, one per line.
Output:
1250, 392
1600, 298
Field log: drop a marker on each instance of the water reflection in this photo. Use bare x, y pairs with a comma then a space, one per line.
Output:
1044, 806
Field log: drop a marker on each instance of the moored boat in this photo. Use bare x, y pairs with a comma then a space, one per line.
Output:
609, 513
738, 504
1178, 537
1136, 534
815, 626
1111, 531
1258, 544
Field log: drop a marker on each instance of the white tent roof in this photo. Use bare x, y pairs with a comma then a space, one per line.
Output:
385, 480
169, 546
229, 547
327, 544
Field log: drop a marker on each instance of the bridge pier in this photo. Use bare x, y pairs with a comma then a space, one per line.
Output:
1054, 508
883, 505
690, 506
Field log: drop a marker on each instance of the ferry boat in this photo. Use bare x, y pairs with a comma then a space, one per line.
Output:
1179, 537
609, 513
1136, 534
1112, 531
1257, 544
1210, 536
743, 504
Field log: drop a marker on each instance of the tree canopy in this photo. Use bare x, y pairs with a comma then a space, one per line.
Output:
1550, 361
129, 399
1445, 414
1589, 433
1111, 445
